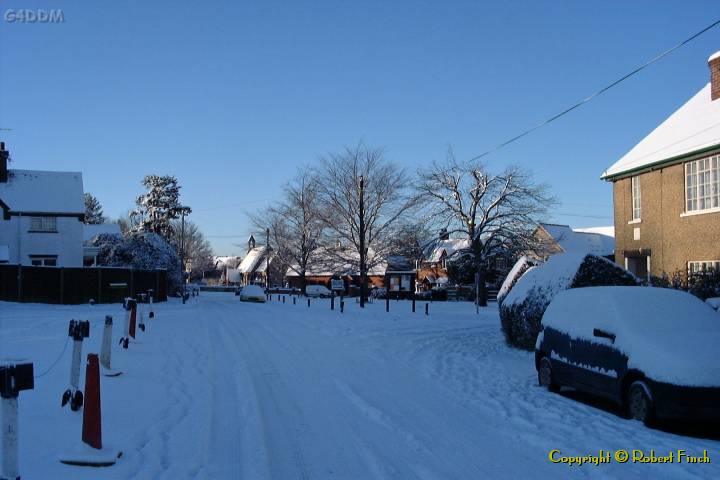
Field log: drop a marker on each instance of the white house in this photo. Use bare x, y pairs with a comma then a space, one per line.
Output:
41, 216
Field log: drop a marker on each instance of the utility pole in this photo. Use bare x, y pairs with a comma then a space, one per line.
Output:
267, 258
182, 247
363, 280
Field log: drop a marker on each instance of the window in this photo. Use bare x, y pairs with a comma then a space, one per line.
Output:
703, 266
43, 224
702, 184
636, 197
43, 261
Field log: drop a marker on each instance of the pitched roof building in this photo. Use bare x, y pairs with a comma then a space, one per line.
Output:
666, 190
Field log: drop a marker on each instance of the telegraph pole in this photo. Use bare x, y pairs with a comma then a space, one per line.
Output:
363, 280
182, 248
267, 258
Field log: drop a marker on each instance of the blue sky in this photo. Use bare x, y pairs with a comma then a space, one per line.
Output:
233, 96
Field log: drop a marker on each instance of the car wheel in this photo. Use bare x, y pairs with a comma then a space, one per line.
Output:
639, 402
545, 376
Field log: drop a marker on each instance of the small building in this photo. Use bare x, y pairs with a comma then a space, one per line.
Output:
41, 214
553, 238
253, 268
432, 270
666, 190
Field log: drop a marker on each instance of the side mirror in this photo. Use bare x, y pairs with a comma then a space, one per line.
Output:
603, 334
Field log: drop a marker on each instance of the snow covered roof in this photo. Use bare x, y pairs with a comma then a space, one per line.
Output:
694, 126
249, 264
448, 247
43, 192
587, 240
91, 231
326, 264
228, 261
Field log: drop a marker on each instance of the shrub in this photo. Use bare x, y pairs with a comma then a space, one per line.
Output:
705, 285
516, 272
523, 307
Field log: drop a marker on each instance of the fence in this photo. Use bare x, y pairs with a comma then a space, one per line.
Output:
78, 285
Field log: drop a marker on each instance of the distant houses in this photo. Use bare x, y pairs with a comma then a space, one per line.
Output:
553, 239
666, 190
41, 218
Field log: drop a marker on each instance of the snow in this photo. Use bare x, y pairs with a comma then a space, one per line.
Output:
670, 335
249, 264
229, 261
694, 126
448, 247
553, 276
513, 273
582, 241
714, 302
220, 389
43, 191
90, 231
714, 56
4, 253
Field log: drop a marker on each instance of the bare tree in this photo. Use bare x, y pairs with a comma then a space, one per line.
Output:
363, 197
197, 252
295, 224
494, 212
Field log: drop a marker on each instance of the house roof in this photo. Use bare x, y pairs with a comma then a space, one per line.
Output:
449, 247
249, 264
582, 241
228, 261
90, 231
43, 192
692, 128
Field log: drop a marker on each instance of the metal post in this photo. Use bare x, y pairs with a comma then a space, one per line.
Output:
342, 306
426, 308
267, 258
308, 302
413, 303
387, 302
332, 302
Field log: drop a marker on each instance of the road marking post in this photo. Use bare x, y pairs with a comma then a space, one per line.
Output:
77, 330
13, 379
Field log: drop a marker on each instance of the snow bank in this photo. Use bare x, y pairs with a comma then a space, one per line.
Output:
669, 335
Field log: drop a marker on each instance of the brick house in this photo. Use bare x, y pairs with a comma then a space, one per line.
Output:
666, 190
553, 238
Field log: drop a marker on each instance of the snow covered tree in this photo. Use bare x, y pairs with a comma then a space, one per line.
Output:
159, 206
197, 254
93, 210
363, 199
497, 213
295, 224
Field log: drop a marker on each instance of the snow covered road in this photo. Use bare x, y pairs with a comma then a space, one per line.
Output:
221, 389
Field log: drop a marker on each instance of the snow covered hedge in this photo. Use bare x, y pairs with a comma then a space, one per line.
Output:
147, 251
523, 307
516, 272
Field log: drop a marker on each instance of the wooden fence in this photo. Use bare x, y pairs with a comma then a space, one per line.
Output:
78, 285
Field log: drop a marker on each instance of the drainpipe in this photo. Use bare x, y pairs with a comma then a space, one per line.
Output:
19, 256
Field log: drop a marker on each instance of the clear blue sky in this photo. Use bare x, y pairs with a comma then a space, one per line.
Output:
232, 96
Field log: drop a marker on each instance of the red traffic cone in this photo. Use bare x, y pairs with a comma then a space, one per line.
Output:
94, 455
133, 313
92, 425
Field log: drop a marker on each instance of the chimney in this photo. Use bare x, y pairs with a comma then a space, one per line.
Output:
4, 155
714, 64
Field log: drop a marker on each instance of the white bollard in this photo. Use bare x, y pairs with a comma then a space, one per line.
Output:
13, 379
75, 365
10, 467
77, 330
106, 347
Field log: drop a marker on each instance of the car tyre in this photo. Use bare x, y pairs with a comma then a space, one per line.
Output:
546, 378
639, 403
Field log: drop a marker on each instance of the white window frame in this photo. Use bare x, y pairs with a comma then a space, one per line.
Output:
636, 198
43, 224
702, 185
43, 261
700, 267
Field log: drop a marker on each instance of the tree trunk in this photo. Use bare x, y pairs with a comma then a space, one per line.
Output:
482, 289
303, 282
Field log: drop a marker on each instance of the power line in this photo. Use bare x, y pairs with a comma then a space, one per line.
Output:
598, 93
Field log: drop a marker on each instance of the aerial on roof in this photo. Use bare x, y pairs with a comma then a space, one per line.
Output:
693, 127
43, 192
593, 240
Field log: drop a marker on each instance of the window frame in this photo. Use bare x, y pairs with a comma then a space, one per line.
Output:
702, 185
635, 198
704, 266
44, 260
40, 224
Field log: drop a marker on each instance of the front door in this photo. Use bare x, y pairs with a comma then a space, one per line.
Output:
638, 266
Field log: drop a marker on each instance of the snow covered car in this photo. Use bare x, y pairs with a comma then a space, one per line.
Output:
252, 293
318, 291
654, 351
